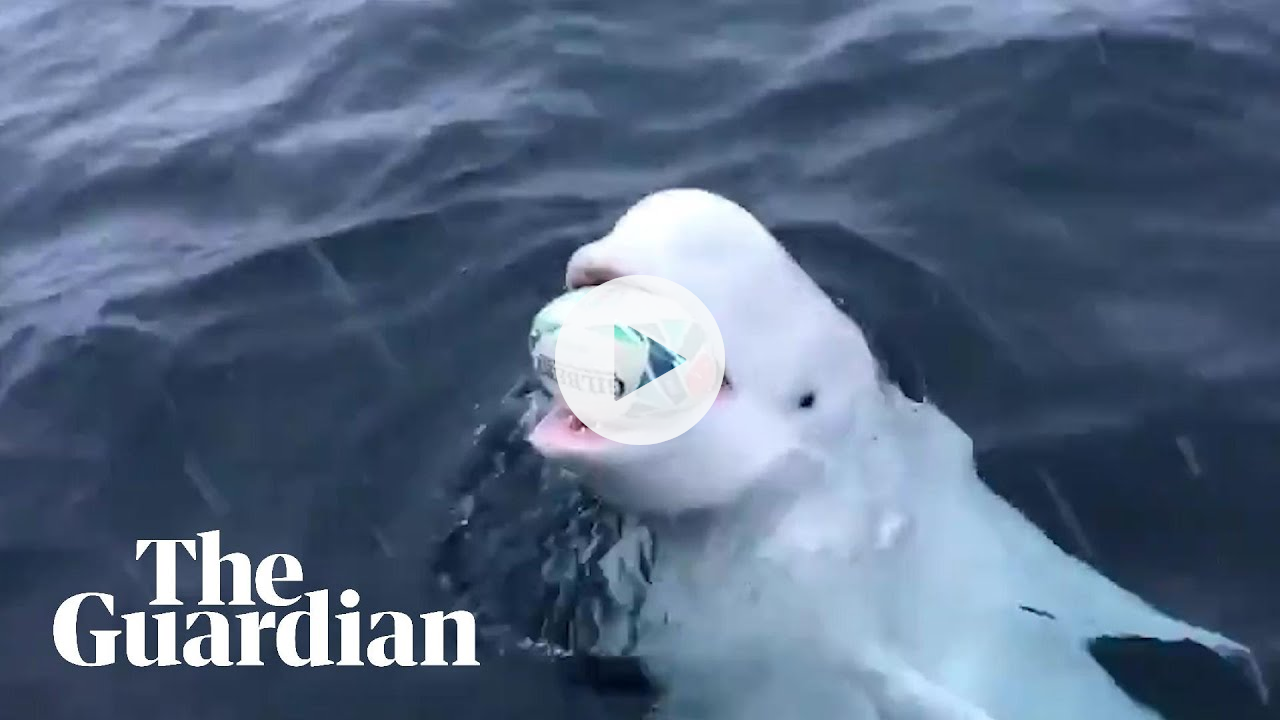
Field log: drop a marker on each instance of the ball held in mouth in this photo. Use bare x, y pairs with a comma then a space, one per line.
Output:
631, 364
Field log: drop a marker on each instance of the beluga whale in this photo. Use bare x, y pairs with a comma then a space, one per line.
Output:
820, 545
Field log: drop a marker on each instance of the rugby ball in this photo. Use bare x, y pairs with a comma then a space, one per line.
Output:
632, 356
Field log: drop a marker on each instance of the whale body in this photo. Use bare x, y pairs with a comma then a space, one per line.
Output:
822, 545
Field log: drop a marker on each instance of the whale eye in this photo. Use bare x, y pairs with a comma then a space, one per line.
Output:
807, 400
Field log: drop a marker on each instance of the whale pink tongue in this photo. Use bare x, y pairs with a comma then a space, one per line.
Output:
561, 429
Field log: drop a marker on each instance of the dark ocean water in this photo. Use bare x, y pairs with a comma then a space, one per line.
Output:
266, 266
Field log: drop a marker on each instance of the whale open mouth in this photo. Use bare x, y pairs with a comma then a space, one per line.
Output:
559, 430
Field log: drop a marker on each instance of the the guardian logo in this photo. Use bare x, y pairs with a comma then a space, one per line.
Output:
160, 631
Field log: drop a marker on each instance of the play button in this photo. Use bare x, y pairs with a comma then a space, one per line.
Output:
657, 348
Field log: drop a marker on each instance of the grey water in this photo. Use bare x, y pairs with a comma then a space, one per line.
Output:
266, 266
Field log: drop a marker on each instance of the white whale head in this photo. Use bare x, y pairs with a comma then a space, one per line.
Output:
799, 373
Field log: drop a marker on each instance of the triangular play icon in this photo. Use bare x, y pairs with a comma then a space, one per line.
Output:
648, 366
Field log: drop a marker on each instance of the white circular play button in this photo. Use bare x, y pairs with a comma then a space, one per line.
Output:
639, 360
